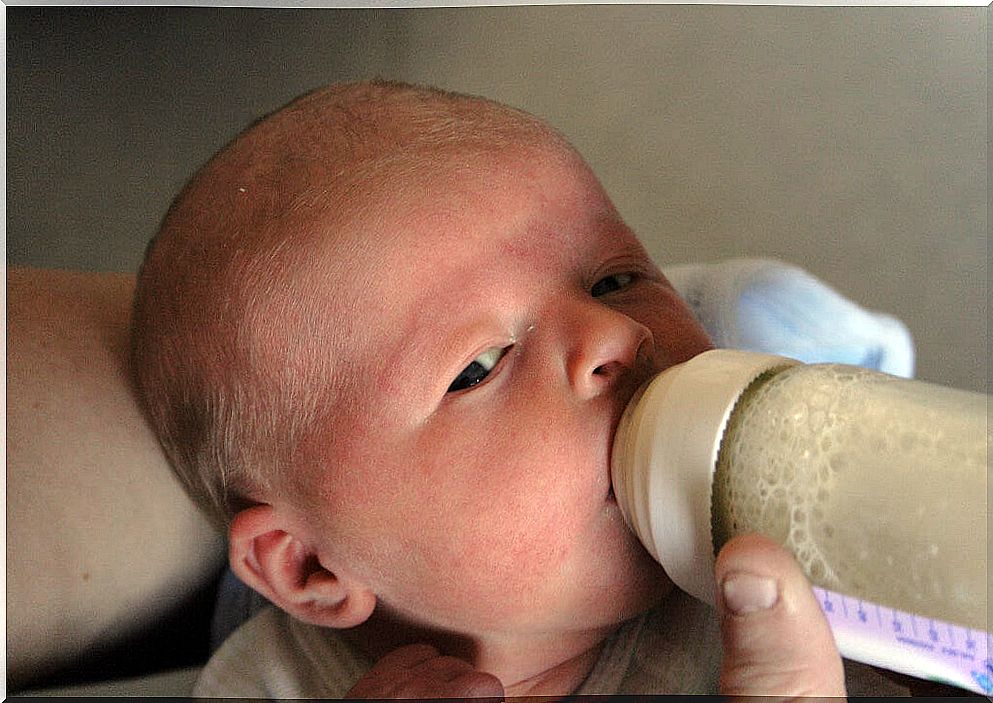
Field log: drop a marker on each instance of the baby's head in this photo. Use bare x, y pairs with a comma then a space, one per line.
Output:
386, 336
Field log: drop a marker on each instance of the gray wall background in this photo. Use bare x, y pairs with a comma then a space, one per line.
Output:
851, 141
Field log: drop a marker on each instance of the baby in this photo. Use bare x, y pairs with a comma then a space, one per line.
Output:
385, 337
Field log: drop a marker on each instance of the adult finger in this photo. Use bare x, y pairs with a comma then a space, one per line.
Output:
776, 639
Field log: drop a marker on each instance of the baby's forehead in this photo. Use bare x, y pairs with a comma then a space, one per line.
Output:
454, 224
377, 227
419, 201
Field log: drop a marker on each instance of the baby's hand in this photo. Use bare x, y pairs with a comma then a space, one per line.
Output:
419, 671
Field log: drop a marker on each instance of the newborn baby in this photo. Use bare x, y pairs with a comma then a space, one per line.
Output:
385, 337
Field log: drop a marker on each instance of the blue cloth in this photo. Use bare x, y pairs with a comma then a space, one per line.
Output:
753, 304
769, 306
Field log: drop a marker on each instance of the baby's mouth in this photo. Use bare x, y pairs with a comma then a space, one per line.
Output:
610, 497
615, 423
627, 397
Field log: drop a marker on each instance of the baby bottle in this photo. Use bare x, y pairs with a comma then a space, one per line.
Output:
877, 484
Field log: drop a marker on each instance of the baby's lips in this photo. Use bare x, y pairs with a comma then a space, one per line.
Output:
624, 398
615, 423
627, 394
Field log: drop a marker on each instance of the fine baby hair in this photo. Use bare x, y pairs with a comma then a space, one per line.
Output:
231, 396
386, 337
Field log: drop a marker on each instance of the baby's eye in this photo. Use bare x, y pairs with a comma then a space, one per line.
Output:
478, 370
610, 284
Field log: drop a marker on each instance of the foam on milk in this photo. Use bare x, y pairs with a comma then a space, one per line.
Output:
868, 480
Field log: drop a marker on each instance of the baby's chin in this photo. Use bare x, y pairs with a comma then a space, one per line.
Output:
646, 583
658, 585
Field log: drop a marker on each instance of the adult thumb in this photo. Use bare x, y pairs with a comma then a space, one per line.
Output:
776, 639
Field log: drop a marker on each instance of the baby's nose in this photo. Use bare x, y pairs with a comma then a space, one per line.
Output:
607, 345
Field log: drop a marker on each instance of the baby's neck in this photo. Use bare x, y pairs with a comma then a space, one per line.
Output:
527, 666
543, 671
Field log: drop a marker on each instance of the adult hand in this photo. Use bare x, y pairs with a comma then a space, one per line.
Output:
776, 639
419, 671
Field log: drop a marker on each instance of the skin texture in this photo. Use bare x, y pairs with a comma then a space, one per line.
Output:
467, 539
525, 551
785, 650
102, 539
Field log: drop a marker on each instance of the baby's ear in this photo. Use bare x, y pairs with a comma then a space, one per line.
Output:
285, 571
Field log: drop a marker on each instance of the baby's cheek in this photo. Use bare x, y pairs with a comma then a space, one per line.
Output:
520, 547
675, 328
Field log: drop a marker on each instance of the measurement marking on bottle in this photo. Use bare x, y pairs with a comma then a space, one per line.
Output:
861, 612
937, 649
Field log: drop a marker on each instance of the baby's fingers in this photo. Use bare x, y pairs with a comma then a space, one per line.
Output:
419, 671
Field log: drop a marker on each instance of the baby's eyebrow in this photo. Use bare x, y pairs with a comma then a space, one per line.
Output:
421, 352
620, 248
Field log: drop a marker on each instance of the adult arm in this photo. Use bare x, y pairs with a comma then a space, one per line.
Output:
101, 539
